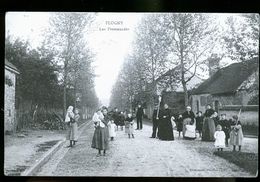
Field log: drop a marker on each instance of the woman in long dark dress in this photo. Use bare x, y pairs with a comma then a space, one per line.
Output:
208, 128
101, 135
165, 129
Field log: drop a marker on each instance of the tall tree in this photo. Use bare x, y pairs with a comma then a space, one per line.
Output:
192, 38
65, 36
242, 36
151, 49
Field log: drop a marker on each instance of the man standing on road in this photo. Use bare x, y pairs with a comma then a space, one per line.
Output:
139, 117
115, 117
155, 123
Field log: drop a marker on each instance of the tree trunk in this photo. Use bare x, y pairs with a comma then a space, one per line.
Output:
65, 92
75, 97
186, 97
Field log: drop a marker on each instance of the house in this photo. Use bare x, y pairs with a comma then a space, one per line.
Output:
233, 86
10, 82
168, 85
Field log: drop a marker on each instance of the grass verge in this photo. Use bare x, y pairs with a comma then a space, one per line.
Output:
245, 160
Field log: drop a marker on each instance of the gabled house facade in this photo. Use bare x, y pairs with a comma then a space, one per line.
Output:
234, 85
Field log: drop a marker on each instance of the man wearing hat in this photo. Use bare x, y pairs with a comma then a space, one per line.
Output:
155, 122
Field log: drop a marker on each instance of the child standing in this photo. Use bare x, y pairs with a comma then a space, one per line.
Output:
199, 122
179, 123
236, 134
130, 125
112, 129
219, 138
226, 126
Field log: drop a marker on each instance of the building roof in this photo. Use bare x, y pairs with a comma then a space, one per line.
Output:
228, 79
11, 66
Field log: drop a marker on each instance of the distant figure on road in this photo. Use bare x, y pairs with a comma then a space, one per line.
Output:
236, 134
115, 117
165, 124
139, 117
199, 122
179, 123
100, 139
69, 119
129, 126
121, 122
226, 126
112, 129
155, 123
208, 128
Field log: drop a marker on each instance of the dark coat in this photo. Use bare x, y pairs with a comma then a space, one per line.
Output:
190, 114
116, 118
226, 126
165, 125
199, 123
140, 112
209, 112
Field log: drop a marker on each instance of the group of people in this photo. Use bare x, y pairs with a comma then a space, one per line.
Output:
209, 126
106, 124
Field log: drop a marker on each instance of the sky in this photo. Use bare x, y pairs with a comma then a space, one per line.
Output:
110, 46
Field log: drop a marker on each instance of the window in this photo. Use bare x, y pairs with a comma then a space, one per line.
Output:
9, 112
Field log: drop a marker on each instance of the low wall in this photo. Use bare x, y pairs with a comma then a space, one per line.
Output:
249, 114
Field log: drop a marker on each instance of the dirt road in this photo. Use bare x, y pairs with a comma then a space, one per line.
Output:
141, 156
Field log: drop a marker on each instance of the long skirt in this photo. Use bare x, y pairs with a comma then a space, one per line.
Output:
236, 138
165, 130
186, 121
72, 131
208, 129
100, 139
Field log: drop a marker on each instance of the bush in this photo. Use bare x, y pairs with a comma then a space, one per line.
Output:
42, 120
247, 161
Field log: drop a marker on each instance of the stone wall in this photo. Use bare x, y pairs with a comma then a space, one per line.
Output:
247, 115
9, 102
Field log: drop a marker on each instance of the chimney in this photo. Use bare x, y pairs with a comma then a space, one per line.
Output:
213, 64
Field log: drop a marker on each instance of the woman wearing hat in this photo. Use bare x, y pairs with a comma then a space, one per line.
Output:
72, 126
236, 134
101, 134
208, 129
165, 129
188, 124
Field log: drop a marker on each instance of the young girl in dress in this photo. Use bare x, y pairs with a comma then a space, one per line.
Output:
130, 125
179, 123
112, 129
236, 134
219, 138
